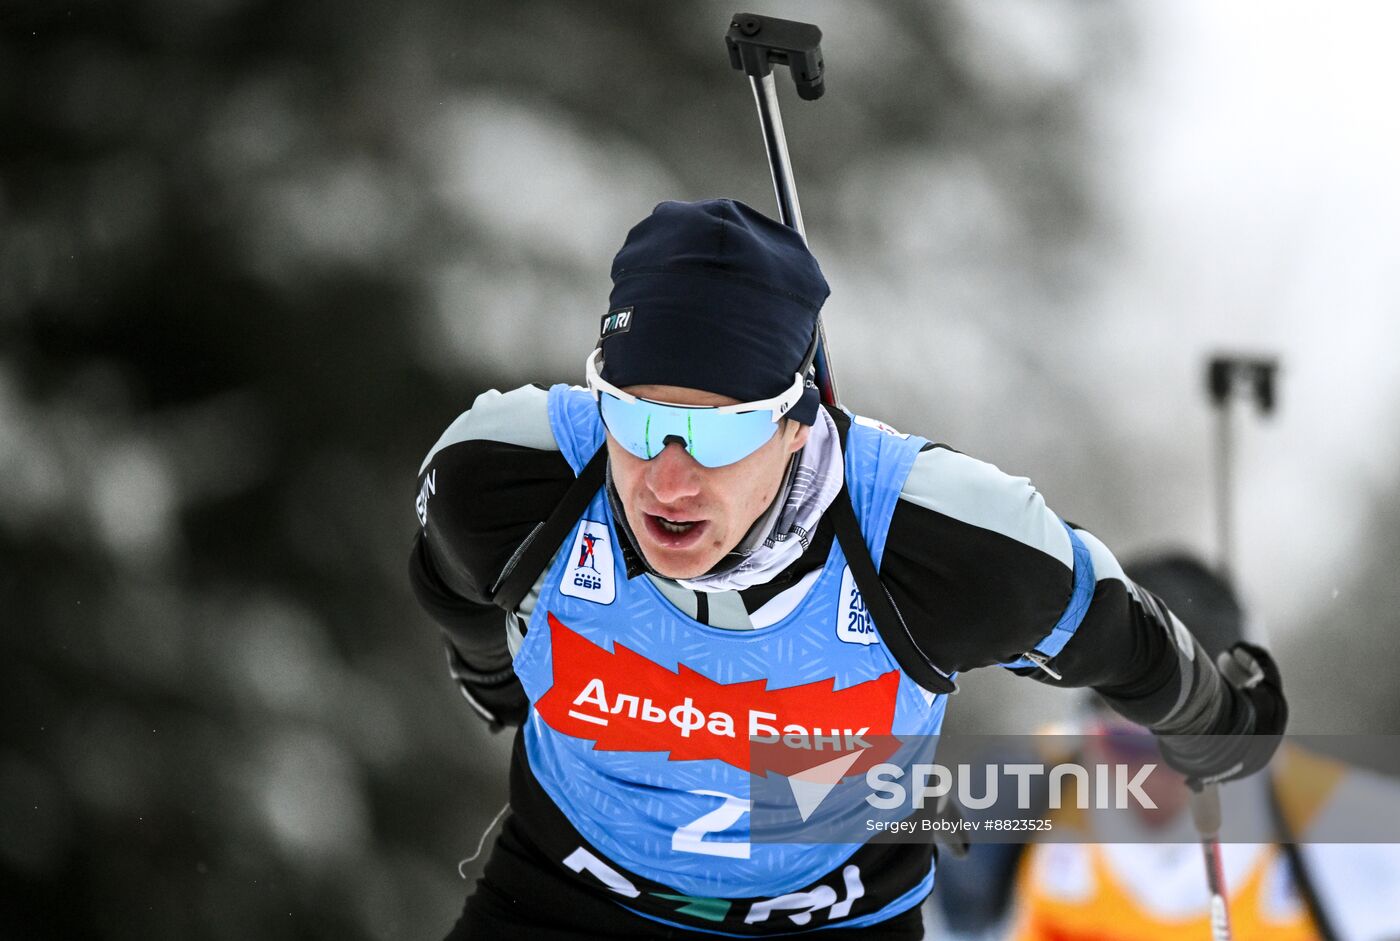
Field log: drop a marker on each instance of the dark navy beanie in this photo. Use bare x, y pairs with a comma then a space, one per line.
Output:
716, 296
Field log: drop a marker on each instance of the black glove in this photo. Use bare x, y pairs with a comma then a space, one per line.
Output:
497, 697
1254, 724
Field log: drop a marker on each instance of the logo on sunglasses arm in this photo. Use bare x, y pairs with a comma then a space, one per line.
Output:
589, 574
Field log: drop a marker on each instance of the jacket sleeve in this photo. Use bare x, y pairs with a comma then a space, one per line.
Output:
490, 479
983, 570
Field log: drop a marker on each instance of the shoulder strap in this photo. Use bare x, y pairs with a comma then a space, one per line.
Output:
888, 621
529, 561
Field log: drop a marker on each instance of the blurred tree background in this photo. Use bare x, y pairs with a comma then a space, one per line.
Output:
255, 256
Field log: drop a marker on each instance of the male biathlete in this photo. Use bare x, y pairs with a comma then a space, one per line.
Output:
692, 550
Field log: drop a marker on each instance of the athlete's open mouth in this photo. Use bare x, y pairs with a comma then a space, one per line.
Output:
674, 534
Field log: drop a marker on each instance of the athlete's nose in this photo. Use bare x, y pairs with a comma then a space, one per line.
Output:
673, 475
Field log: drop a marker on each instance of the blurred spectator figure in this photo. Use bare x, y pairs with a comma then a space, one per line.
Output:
1130, 891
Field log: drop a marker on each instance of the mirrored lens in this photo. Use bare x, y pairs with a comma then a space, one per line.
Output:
713, 438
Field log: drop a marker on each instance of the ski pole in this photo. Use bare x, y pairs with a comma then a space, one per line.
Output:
755, 43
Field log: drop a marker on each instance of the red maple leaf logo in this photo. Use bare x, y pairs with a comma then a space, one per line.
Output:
624, 702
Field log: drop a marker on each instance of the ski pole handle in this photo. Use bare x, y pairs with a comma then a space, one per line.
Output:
756, 42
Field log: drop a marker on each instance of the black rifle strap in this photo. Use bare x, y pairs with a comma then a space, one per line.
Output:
889, 623
1302, 878
524, 568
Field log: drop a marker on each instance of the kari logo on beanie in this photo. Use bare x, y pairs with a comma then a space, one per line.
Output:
615, 322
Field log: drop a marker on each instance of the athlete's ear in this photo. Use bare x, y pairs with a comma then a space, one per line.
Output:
799, 440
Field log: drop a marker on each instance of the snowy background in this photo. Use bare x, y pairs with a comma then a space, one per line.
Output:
255, 256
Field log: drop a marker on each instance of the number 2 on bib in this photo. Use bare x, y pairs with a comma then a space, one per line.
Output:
690, 837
